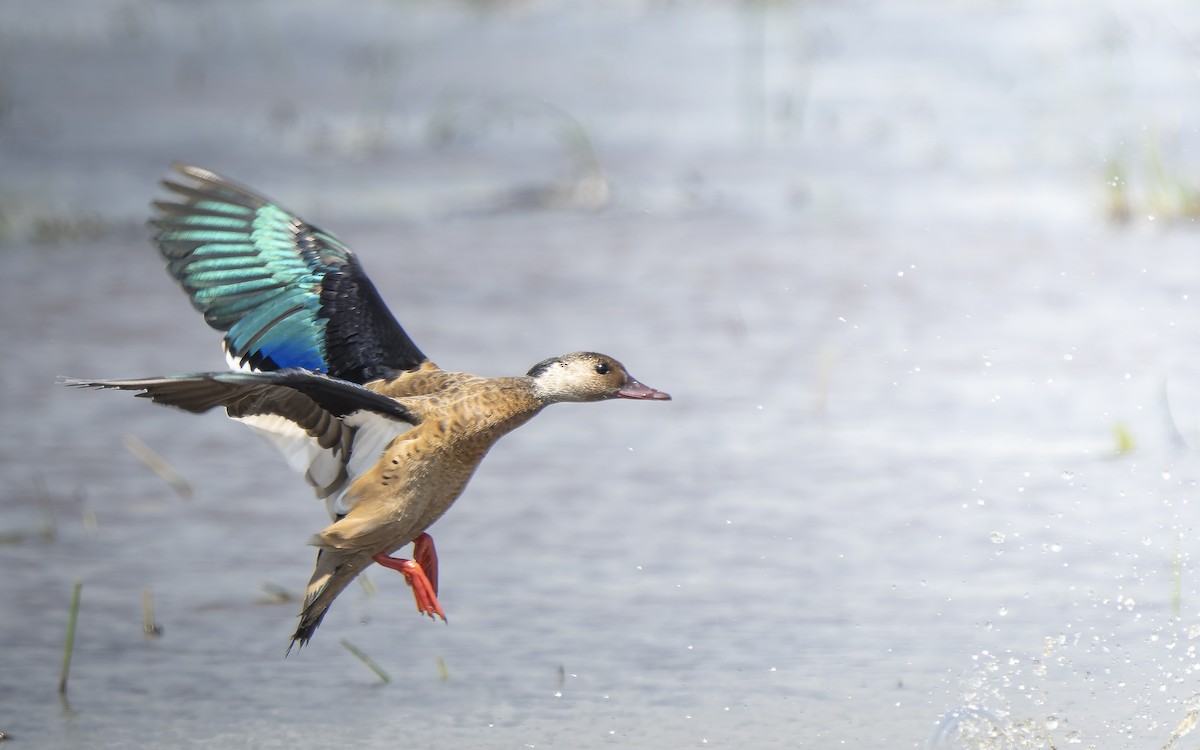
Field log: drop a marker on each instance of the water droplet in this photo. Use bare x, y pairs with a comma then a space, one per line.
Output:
997, 537
962, 726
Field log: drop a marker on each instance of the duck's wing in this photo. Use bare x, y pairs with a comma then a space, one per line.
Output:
287, 293
329, 429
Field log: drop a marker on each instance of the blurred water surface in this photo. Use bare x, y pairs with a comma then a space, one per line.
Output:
920, 276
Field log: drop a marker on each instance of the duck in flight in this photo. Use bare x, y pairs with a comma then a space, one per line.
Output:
321, 367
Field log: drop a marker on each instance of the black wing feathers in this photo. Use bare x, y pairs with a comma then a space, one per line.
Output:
287, 393
286, 293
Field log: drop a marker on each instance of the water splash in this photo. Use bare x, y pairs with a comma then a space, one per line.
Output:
972, 728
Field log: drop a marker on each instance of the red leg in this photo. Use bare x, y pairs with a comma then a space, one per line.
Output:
421, 574
425, 555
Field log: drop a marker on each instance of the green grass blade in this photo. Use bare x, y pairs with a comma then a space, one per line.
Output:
69, 647
361, 656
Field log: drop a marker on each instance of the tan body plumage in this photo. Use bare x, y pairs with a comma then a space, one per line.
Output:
418, 477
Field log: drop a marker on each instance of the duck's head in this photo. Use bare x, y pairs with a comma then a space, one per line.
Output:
587, 376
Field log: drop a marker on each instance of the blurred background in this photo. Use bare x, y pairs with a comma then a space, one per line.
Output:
921, 277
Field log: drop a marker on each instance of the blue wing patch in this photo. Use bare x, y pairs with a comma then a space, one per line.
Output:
286, 293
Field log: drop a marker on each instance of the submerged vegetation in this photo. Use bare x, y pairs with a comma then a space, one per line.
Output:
49, 528
1124, 439
367, 660
157, 464
1145, 185
585, 187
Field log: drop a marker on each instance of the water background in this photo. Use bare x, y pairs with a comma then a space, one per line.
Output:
921, 276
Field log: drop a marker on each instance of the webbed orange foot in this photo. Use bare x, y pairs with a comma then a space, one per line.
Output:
421, 574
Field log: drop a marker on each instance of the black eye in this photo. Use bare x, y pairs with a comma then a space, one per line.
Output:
602, 368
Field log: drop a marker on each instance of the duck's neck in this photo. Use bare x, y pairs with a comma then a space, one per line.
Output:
491, 413
508, 403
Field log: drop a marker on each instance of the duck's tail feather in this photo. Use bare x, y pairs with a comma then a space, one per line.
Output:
334, 571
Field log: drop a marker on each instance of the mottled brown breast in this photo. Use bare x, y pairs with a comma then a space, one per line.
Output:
424, 471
